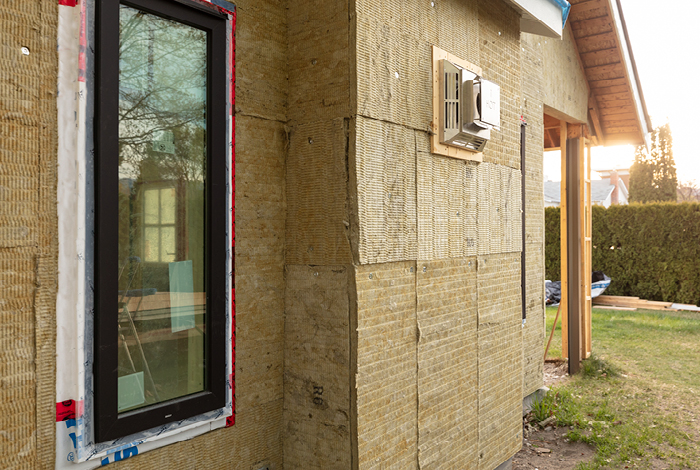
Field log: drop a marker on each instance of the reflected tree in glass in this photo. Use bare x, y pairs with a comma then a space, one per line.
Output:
162, 182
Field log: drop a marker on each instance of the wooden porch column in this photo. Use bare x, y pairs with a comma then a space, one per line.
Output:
574, 179
563, 240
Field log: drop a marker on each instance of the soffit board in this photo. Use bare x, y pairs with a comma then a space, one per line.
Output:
541, 17
617, 102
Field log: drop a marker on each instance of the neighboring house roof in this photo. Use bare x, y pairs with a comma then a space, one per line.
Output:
617, 107
552, 191
622, 173
600, 191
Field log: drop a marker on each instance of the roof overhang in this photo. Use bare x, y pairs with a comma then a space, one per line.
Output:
617, 110
541, 17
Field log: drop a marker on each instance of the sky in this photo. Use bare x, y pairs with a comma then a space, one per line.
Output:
665, 46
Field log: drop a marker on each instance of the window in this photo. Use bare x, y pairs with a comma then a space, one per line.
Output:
161, 211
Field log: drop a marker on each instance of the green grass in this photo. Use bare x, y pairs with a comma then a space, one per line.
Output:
637, 399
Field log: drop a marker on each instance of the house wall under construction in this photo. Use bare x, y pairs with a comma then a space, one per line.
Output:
378, 308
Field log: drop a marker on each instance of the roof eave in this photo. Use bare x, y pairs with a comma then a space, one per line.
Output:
631, 67
540, 17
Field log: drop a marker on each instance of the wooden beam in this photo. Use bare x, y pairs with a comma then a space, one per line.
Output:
585, 6
595, 118
583, 265
574, 131
622, 123
618, 117
573, 183
598, 71
611, 90
589, 255
592, 26
596, 42
620, 110
563, 240
614, 97
614, 104
621, 130
602, 57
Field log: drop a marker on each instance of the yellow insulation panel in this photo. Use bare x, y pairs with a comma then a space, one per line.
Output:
447, 364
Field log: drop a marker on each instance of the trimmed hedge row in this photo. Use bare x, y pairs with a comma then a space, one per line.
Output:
651, 251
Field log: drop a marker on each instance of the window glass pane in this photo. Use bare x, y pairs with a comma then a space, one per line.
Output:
150, 206
167, 206
151, 252
162, 199
167, 244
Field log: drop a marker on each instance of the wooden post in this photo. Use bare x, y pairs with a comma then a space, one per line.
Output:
564, 275
585, 275
589, 255
574, 148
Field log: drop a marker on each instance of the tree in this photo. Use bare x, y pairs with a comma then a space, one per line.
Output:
653, 174
688, 191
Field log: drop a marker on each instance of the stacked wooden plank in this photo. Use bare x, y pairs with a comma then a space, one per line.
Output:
615, 302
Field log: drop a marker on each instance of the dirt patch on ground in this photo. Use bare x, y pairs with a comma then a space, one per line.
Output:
556, 372
548, 448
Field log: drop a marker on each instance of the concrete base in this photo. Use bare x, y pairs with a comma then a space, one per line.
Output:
507, 465
536, 395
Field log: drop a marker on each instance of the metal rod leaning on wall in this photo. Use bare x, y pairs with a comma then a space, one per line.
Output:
551, 335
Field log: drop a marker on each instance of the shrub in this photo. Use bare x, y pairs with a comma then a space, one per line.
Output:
650, 251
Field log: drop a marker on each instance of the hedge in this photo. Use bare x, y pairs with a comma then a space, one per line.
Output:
651, 251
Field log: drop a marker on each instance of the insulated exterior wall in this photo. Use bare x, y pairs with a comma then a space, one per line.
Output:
261, 144
386, 366
500, 358
386, 191
447, 207
28, 225
467, 359
534, 329
317, 380
447, 364
499, 38
319, 271
565, 84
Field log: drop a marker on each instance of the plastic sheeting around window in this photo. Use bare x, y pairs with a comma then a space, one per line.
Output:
75, 446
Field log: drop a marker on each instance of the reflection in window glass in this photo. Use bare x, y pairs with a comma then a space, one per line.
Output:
162, 156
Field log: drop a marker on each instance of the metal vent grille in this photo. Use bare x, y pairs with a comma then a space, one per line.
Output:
452, 108
470, 142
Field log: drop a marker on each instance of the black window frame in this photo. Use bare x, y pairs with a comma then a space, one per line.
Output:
109, 423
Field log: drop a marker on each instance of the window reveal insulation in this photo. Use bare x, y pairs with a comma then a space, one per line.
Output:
75, 446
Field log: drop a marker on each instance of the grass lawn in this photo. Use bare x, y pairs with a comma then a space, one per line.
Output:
638, 398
